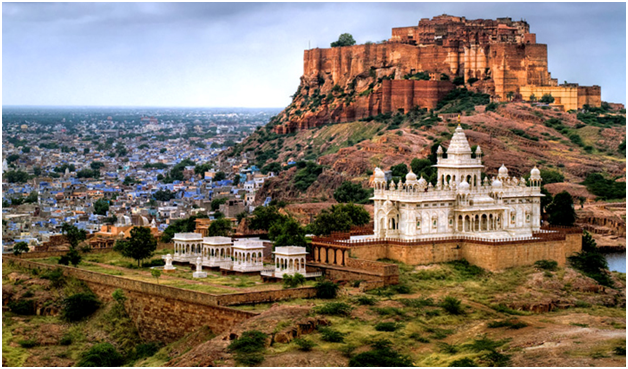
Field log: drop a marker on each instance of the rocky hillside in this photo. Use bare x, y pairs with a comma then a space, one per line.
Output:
518, 135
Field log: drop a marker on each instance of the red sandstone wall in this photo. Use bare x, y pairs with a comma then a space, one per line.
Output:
589, 95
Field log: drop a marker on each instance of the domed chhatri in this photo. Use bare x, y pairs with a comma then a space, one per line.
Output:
410, 177
461, 202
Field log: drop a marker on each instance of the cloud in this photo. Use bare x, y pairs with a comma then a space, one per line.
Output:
250, 54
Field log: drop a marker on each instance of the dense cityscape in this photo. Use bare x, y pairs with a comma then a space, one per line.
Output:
95, 166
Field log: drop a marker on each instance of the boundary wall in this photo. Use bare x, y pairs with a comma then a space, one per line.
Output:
490, 255
164, 313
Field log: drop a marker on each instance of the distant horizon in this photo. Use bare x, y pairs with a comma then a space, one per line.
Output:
192, 55
138, 106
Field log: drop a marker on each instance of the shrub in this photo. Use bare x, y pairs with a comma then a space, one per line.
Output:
347, 350
247, 348
22, 307
439, 333
510, 324
465, 269
249, 341
118, 296
143, 350
366, 300
290, 281
66, 340
546, 264
250, 359
326, 289
448, 348
55, 276
28, 343
334, 308
304, 344
382, 355
452, 305
484, 344
464, 362
79, 306
496, 359
387, 327
620, 350
418, 337
418, 302
330, 335
101, 355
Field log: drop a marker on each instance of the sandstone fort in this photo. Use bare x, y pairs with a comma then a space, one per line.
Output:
498, 57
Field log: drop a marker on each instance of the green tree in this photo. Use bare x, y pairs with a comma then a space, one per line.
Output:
339, 218
215, 204
164, 195
399, 170
19, 248
264, 217
551, 176
156, 273
141, 245
12, 158
351, 192
129, 181
101, 207
16, 176
101, 355
200, 169
532, 98
423, 167
287, 233
510, 95
236, 179
220, 176
561, 210
74, 257
96, 165
36, 171
86, 151
180, 226
73, 234
547, 98
345, 39
220, 227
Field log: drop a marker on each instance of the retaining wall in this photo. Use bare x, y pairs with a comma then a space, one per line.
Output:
164, 313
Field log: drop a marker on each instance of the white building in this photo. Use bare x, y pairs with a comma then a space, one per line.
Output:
461, 203
248, 256
187, 246
216, 251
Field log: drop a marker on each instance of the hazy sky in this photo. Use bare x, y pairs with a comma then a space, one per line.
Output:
251, 54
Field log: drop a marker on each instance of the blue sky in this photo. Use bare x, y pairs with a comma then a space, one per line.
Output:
251, 54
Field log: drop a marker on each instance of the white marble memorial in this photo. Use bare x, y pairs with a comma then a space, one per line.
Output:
461, 203
199, 269
187, 246
168, 266
248, 256
217, 251
289, 260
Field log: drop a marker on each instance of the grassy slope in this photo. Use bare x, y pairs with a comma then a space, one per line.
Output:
342, 146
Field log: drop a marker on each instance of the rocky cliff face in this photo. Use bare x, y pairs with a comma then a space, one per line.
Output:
343, 84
